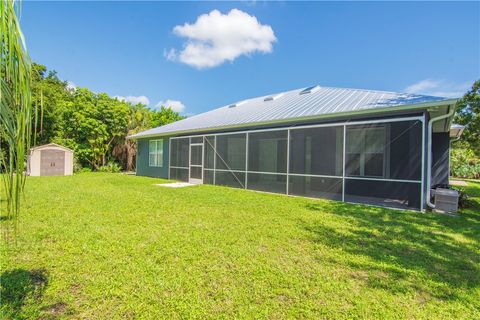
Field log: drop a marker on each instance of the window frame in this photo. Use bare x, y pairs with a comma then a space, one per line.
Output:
157, 153
364, 150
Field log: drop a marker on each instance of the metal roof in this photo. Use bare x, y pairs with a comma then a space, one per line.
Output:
295, 105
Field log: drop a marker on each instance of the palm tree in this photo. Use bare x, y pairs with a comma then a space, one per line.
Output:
15, 106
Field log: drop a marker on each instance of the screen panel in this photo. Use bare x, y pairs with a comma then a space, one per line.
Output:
384, 193
196, 172
196, 156
316, 187
179, 152
267, 182
233, 179
208, 176
179, 174
317, 151
209, 157
196, 139
231, 151
267, 151
385, 150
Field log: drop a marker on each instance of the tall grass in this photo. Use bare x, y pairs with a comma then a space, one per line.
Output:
15, 108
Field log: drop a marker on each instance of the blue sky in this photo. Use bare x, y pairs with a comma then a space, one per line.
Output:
144, 49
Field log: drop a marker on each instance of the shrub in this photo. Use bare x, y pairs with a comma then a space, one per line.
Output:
77, 166
111, 167
86, 169
464, 164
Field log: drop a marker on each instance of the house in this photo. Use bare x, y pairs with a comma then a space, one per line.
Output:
352, 145
50, 160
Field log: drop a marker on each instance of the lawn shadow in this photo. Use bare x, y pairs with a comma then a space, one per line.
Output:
397, 249
19, 284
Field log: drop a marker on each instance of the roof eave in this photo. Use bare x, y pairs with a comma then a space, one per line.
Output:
418, 106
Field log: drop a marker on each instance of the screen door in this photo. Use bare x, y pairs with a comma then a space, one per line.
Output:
196, 162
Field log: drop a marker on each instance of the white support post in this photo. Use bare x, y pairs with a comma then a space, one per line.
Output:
169, 156
343, 166
288, 161
214, 158
246, 161
422, 195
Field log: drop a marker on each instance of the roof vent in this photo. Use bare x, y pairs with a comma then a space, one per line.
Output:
311, 89
237, 104
274, 97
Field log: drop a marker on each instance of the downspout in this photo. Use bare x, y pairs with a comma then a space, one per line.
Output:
450, 113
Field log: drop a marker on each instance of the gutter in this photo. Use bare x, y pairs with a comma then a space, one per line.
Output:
451, 111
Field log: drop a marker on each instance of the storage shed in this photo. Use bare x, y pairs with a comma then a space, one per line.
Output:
50, 160
352, 145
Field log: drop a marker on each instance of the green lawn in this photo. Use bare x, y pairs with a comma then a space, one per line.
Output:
112, 246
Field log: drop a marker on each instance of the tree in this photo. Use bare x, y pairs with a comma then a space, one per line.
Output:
141, 118
164, 116
468, 114
94, 125
15, 105
91, 124
125, 151
49, 94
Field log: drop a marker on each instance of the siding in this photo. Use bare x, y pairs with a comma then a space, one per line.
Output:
143, 169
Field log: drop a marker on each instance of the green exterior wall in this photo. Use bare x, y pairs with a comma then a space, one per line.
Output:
143, 169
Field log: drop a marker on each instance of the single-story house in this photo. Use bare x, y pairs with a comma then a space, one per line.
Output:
50, 160
352, 145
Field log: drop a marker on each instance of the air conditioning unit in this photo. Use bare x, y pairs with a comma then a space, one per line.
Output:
446, 200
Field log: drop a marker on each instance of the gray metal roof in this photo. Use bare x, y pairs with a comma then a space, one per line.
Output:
319, 102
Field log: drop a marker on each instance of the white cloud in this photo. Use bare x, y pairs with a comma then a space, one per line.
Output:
439, 88
175, 105
134, 99
215, 38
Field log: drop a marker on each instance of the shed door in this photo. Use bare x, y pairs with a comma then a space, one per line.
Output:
52, 163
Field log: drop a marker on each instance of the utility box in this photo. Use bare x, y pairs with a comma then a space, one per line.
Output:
446, 200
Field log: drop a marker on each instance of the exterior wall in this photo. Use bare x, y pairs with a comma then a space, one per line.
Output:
34, 163
35, 158
143, 168
440, 158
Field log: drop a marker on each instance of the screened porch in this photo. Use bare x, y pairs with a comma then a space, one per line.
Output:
373, 162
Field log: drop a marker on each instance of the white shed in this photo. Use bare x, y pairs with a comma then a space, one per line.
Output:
50, 160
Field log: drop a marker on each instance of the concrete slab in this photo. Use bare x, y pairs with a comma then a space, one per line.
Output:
458, 183
175, 185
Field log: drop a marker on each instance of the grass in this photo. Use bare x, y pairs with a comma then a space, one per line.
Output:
112, 246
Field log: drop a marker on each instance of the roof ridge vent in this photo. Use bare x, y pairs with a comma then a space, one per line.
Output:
273, 97
311, 89
238, 104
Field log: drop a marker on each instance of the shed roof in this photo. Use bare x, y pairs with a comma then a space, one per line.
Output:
46, 146
300, 104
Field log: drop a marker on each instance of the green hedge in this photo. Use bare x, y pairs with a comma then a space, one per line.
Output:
464, 164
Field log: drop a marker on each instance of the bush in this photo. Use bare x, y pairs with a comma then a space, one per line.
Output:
464, 164
77, 166
86, 169
111, 167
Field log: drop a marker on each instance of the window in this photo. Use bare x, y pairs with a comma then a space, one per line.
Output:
384, 151
155, 153
366, 151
